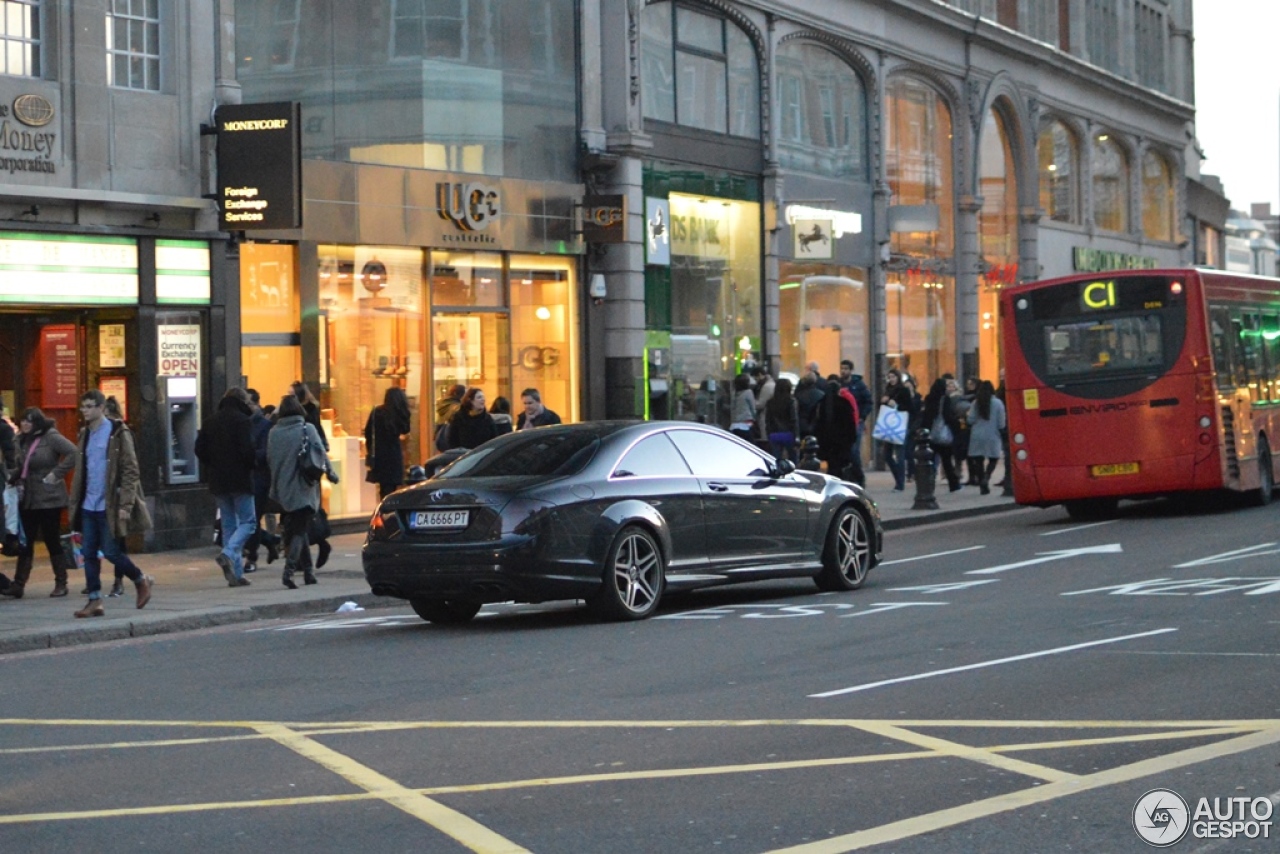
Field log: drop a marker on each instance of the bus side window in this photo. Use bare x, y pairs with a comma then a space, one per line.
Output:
1271, 345
1249, 341
1220, 330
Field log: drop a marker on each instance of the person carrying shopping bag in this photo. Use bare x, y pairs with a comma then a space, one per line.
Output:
297, 495
44, 458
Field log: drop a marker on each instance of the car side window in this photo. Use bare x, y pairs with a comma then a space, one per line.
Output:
652, 457
710, 455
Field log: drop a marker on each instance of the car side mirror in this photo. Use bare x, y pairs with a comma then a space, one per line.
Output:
784, 467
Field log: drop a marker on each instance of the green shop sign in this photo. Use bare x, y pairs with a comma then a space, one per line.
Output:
1086, 260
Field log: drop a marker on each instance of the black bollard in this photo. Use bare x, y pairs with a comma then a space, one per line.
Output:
925, 474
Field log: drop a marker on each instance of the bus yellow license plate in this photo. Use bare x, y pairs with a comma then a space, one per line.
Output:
1113, 468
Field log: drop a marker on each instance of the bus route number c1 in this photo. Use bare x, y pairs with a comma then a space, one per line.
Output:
1099, 295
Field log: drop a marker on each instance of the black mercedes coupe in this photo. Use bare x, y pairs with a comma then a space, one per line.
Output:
614, 513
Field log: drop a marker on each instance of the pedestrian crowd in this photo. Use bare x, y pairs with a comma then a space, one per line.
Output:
820, 423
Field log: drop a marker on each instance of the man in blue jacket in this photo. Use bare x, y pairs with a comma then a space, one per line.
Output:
860, 392
225, 449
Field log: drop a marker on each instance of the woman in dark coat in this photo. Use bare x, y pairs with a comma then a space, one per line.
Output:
42, 462
836, 428
897, 395
472, 425
384, 454
782, 421
938, 410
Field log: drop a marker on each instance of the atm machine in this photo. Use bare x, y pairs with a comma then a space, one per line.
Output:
181, 408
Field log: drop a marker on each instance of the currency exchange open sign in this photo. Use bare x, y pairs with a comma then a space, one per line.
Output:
260, 166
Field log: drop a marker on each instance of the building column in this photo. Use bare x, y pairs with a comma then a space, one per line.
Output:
1029, 268
968, 266
624, 328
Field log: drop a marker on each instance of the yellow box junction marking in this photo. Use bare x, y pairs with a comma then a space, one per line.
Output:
1238, 736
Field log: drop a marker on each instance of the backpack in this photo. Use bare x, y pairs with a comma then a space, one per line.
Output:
308, 468
442, 437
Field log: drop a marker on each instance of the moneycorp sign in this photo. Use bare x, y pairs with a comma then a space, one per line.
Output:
260, 166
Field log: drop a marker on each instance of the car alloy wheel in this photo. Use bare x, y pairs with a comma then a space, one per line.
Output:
848, 553
633, 577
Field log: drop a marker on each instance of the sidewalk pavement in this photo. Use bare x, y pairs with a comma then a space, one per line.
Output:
190, 592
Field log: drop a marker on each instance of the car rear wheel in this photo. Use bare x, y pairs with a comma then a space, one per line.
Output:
633, 577
445, 611
847, 556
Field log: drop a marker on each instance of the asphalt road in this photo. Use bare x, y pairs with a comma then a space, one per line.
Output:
1005, 684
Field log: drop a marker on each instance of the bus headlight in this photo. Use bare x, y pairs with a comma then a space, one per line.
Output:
1022, 455
1205, 421
1018, 439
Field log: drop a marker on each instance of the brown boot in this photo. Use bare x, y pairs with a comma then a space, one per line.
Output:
20, 575
92, 608
143, 585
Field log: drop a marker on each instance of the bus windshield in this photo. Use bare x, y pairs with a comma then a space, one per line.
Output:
1094, 346
1102, 337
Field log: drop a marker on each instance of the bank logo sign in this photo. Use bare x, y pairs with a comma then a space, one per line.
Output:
25, 146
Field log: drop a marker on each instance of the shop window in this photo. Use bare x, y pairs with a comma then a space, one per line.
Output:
698, 70
270, 311
1157, 197
823, 128
1110, 184
133, 44
1058, 154
544, 355
472, 349
466, 279
372, 338
920, 289
823, 316
20, 37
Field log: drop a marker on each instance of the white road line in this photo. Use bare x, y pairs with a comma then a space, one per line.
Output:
1238, 554
1077, 528
927, 557
1045, 557
868, 686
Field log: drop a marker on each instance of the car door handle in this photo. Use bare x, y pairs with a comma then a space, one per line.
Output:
717, 487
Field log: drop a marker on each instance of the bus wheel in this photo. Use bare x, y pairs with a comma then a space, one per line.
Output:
1092, 509
1266, 477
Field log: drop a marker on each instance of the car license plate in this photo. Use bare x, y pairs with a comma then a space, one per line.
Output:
1113, 468
429, 520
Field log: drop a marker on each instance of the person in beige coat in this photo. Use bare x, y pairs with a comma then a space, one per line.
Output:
107, 500
44, 457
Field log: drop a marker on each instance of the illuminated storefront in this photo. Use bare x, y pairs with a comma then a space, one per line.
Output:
130, 316
998, 238
419, 317
702, 309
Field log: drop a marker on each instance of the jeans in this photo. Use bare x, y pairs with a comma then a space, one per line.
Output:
239, 521
897, 464
96, 537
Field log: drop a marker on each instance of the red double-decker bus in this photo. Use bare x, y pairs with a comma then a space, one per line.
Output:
1139, 384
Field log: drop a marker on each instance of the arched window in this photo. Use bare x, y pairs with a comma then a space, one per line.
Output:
1157, 197
823, 112
920, 298
1110, 184
997, 234
1059, 175
699, 70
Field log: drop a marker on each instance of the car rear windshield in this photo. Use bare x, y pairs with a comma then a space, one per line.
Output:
541, 453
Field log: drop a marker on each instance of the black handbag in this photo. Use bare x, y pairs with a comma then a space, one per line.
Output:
308, 469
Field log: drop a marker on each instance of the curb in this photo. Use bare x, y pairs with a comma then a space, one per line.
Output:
947, 515
81, 633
